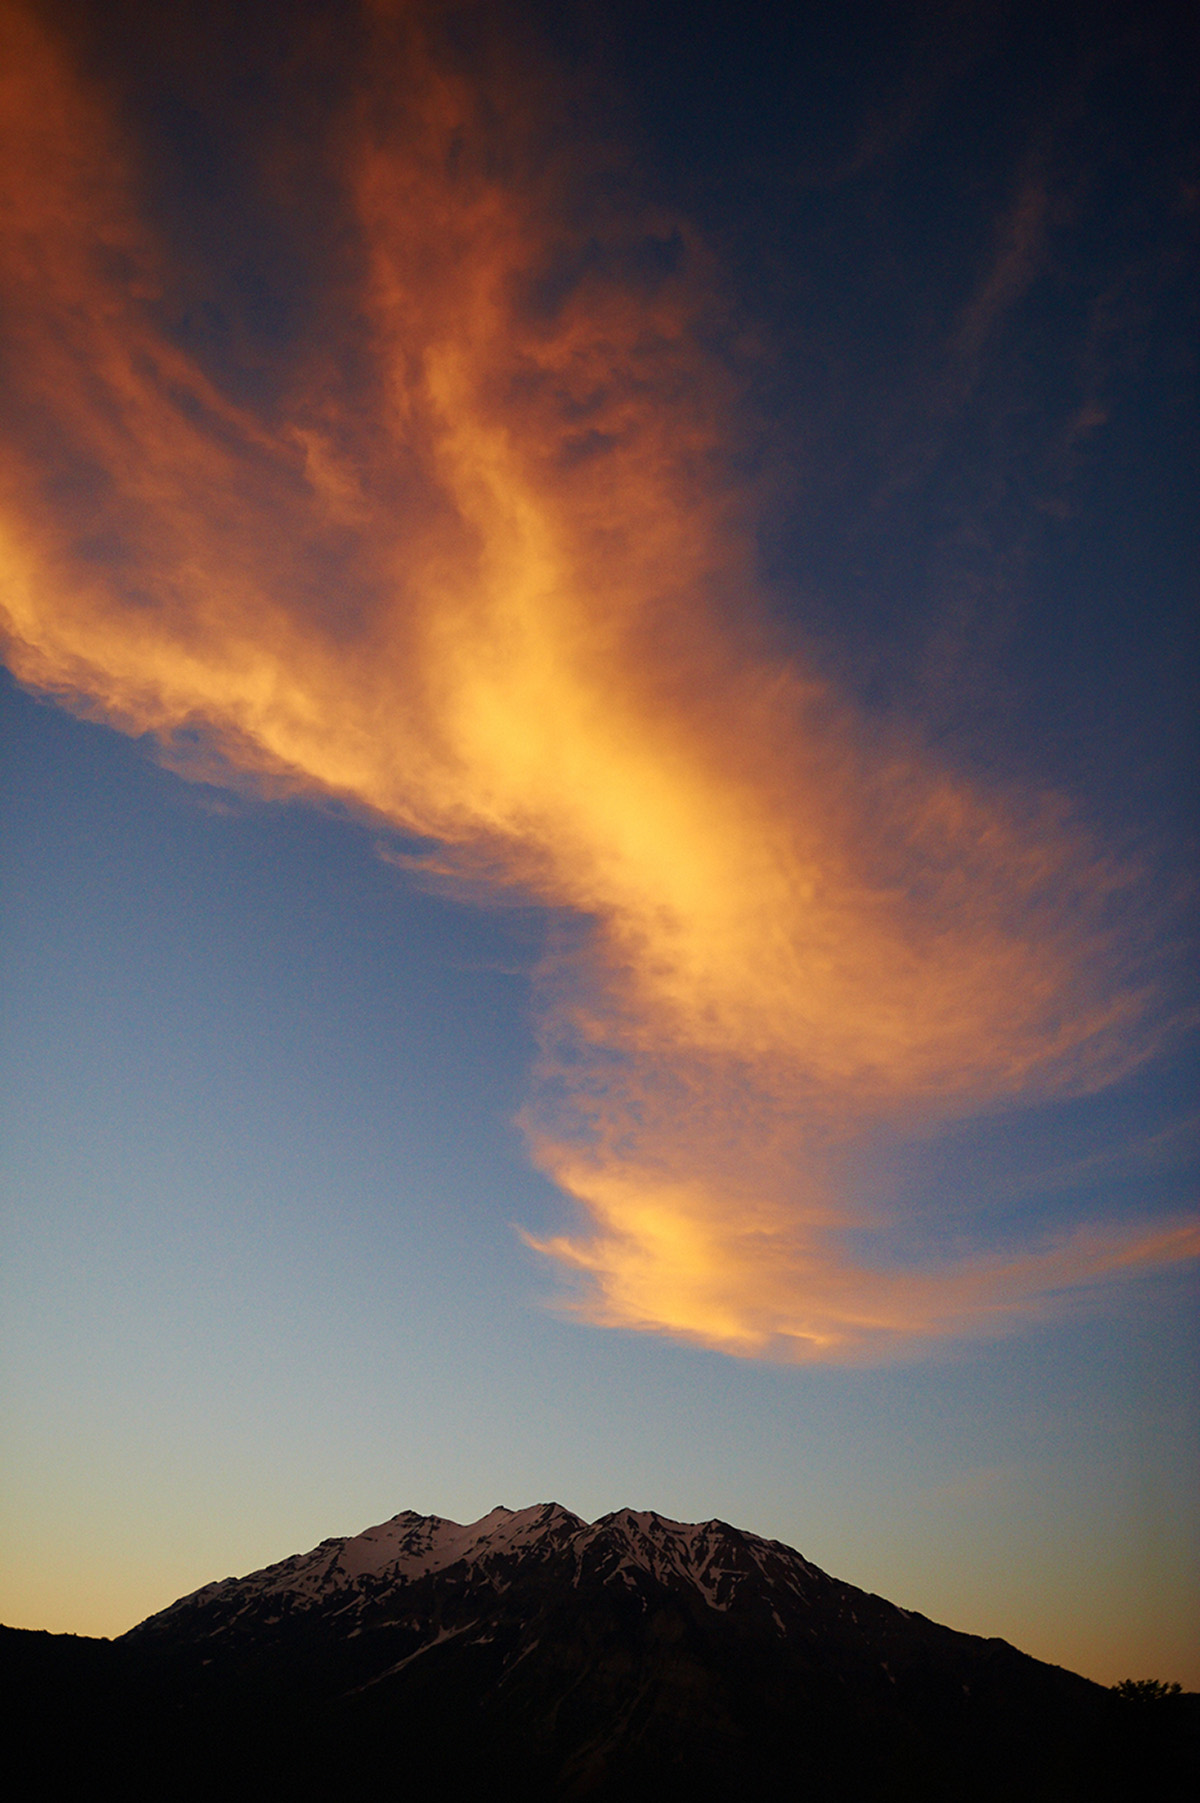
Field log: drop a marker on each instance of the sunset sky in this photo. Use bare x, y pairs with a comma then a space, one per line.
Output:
598, 802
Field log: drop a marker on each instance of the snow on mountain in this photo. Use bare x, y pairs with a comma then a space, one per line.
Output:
709, 1556
374, 1569
343, 1572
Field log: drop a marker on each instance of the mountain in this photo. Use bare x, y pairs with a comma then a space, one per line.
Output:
532, 1655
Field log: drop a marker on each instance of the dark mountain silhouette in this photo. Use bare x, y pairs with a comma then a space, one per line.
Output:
533, 1656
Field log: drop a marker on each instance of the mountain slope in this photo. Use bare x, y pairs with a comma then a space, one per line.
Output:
533, 1655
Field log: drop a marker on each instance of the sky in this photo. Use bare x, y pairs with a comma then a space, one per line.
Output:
598, 800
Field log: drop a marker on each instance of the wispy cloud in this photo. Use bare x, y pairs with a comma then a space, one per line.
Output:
487, 573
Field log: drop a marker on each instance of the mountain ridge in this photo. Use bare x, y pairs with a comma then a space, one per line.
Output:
409, 1545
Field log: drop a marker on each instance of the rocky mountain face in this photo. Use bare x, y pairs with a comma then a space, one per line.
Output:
533, 1655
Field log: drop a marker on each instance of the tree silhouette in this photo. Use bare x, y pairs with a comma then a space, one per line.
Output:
1145, 1690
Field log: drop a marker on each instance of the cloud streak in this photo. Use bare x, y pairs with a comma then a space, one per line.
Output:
484, 569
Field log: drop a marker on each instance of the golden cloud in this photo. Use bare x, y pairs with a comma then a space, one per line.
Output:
483, 569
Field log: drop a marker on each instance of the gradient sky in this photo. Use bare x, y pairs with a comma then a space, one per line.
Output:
598, 794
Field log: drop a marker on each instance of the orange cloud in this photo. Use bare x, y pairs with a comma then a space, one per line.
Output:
484, 571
